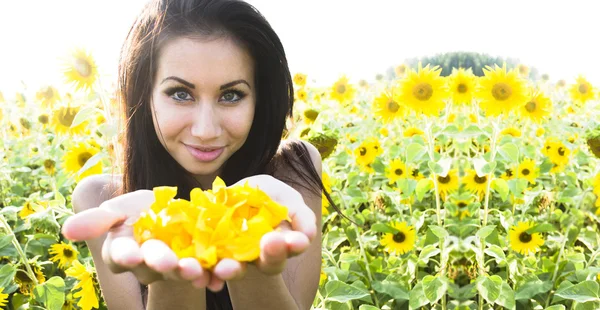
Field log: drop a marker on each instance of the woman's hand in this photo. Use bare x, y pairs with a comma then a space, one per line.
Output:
277, 246
150, 262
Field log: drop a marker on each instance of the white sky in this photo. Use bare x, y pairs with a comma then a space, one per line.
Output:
323, 38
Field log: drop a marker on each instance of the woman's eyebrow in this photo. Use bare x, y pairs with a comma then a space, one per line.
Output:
182, 81
224, 86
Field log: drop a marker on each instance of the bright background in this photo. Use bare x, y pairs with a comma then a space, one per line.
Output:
323, 38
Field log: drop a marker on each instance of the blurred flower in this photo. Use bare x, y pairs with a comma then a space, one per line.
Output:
508, 174
511, 131
47, 96
412, 131
77, 156
448, 183
62, 119
500, 91
396, 170
386, 109
400, 242
25, 283
540, 132
300, 79
462, 85
342, 91
301, 95
400, 70
537, 108
528, 170
475, 183
423, 91
80, 69
3, 298
310, 115
87, 293
582, 91
63, 253
523, 242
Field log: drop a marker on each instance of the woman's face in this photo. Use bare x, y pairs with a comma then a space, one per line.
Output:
203, 102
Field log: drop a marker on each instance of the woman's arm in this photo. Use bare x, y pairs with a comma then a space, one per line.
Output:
296, 286
120, 291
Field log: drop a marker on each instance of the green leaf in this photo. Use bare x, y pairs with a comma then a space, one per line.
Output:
84, 114
414, 152
510, 152
427, 252
423, 186
581, 292
367, 307
394, 289
556, 307
541, 228
507, 297
6, 246
485, 231
91, 162
51, 293
7, 274
417, 297
489, 287
501, 187
496, 252
342, 292
434, 288
440, 232
529, 289
383, 228
435, 167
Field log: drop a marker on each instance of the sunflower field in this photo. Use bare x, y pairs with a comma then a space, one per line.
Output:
449, 192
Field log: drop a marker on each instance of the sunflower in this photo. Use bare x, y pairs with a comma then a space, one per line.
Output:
451, 118
87, 293
396, 171
511, 131
27, 210
537, 108
412, 131
582, 91
423, 91
475, 183
50, 166
64, 254
448, 183
400, 70
301, 95
310, 115
47, 96
342, 91
500, 91
62, 119
540, 132
528, 170
384, 131
523, 242
415, 174
3, 298
462, 85
25, 283
508, 174
473, 117
326, 188
80, 69
523, 70
76, 157
387, 109
300, 79
557, 152
367, 151
400, 242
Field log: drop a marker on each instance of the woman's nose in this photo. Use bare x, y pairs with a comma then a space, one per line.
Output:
206, 124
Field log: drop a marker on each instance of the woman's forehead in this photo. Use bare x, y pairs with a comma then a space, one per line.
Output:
205, 60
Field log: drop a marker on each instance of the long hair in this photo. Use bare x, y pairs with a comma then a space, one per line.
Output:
146, 163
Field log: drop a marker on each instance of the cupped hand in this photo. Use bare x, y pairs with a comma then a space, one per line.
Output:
150, 262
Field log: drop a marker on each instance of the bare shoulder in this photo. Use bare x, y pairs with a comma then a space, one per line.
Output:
315, 156
93, 190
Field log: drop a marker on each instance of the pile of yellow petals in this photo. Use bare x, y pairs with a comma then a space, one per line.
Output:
215, 224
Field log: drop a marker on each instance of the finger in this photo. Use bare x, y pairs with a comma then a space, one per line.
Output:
189, 269
125, 252
304, 220
296, 242
215, 284
158, 256
273, 253
91, 223
228, 269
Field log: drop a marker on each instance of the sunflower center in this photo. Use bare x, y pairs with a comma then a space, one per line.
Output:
509, 173
461, 204
525, 237
561, 151
83, 67
583, 88
48, 164
341, 89
393, 106
480, 180
43, 119
363, 151
462, 88
444, 180
423, 91
399, 237
398, 171
525, 171
415, 172
501, 91
83, 158
67, 118
68, 253
530, 106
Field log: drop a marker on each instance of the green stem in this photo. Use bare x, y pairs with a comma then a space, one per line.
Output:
555, 273
22, 255
364, 256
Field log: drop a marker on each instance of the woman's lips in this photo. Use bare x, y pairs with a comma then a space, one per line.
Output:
205, 154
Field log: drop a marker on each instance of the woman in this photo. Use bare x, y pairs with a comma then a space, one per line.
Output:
206, 92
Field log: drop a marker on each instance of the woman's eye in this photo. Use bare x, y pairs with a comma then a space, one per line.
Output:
181, 95
232, 96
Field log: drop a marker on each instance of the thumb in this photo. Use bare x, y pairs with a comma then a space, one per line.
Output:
91, 223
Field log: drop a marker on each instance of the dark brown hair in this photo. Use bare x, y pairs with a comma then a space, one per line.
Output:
146, 163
